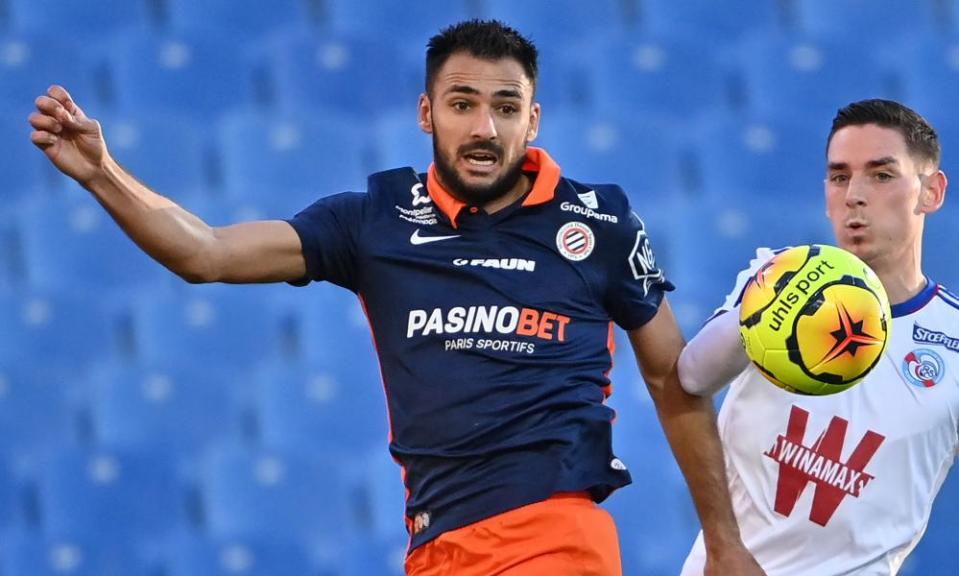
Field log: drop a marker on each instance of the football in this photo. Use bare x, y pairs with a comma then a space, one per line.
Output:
814, 319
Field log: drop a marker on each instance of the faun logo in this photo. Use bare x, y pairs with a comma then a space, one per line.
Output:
820, 464
520, 264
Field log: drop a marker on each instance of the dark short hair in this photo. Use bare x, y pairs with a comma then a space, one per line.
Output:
487, 39
921, 139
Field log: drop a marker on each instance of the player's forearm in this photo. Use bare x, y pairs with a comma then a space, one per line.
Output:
171, 235
690, 426
713, 357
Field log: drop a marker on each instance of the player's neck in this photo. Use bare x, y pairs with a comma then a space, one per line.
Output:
902, 277
522, 186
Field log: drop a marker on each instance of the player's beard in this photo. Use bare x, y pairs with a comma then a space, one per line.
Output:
476, 195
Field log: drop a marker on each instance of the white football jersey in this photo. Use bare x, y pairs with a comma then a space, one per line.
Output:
844, 484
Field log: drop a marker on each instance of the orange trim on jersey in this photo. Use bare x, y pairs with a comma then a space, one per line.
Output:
611, 346
566, 535
537, 160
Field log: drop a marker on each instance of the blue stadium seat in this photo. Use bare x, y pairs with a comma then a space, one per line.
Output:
267, 155
557, 22
22, 165
174, 411
867, 22
166, 152
82, 20
385, 497
11, 501
333, 409
656, 525
31, 62
38, 414
636, 153
407, 23
230, 325
350, 73
23, 552
936, 551
275, 496
940, 244
707, 20
659, 491
334, 327
198, 556
195, 74
400, 142
58, 334
669, 76
120, 498
930, 72
741, 158
789, 75
245, 20
74, 241
10, 270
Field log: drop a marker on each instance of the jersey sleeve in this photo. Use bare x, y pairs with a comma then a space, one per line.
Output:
742, 279
636, 284
329, 230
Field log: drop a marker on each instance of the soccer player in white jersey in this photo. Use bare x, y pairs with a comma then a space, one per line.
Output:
843, 484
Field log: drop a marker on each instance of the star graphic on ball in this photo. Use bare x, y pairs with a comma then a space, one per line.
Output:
849, 336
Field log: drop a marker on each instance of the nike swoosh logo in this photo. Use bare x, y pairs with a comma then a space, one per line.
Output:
416, 239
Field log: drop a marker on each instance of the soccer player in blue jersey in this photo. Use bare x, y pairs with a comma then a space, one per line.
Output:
491, 283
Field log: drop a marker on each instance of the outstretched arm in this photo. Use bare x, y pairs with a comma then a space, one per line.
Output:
266, 251
690, 426
714, 356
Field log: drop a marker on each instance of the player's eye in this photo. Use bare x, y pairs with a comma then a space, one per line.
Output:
884, 176
508, 109
460, 106
838, 179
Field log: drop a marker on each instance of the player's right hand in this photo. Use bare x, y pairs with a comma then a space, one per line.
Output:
73, 142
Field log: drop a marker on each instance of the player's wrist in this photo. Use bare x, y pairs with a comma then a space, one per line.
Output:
722, 541
102, 173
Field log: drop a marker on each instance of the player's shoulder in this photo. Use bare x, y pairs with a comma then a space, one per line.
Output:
396, 183
602, 198
949, 298
604, 208
763, 254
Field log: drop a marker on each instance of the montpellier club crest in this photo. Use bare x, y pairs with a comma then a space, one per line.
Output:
575, 241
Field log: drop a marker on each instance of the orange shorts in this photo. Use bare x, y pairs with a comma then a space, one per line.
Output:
566, 535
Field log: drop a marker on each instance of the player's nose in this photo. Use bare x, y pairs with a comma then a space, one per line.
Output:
483, 126
856, 192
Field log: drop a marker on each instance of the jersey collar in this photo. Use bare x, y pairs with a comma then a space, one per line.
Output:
916, 302
537, 160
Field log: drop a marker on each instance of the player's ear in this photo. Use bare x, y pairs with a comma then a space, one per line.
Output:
425, 114
933, 192
534, 115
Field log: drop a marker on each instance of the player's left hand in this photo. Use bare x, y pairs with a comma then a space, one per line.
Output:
733, 561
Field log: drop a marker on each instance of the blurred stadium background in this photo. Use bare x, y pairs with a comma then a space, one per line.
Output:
149, 427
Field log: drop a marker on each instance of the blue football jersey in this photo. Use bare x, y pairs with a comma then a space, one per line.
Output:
494, 331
